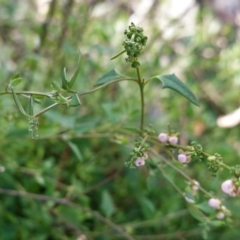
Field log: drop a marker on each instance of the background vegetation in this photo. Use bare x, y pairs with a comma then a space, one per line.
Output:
72, 179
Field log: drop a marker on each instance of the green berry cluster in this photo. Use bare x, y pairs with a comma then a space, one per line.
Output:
214, 164
139, 151
197, 153
33, 127
133, 44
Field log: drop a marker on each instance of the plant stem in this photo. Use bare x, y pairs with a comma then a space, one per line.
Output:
141, 86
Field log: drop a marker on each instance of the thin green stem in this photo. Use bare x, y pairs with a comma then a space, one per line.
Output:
105, 85
29, 93
141, 87
46, 109
118, 55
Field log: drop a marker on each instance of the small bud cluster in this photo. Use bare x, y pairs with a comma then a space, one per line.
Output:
33, 127
166, 138
214, 164
139, 154
221, 211
197, 152
191, 191
134, 43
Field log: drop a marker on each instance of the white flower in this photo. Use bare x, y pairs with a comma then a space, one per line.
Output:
229, 188
214, 202
163, 137
173, 140
139, 162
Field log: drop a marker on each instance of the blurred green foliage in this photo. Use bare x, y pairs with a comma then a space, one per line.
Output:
81, 151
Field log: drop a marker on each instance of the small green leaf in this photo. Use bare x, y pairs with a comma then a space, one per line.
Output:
107, 205
75, 101
15, 81
174, 83
74, 77
19, 105
108, 77
64, 80
196, 213
15, 76
56, 86
75, 150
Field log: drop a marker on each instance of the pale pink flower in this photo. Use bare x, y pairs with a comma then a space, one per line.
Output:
182, 158
214, 202
173, 139
139, 162
163, 137
229, 187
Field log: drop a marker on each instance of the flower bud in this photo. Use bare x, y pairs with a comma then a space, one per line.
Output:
163, 137
182, 158
139, 162
173, 139
220, 215
214, 202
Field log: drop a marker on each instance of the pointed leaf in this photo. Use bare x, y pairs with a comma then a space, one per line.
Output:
15, 81
173, 82
75, 101
108, 77
56, 86
19, 105
15, 76
107, 205
64, 80
74, 77
75, 150
196, 213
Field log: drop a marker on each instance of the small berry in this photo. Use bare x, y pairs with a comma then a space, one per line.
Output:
182, 158
214, 202
173, 140
139, 162
163, 137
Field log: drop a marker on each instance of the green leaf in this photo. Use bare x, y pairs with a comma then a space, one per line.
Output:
174, 83
56, 86
108, 77
64, 80
75, 150
19, 105
15, 81
196, 213
107, 205
15, 76
74, 77
75, 101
